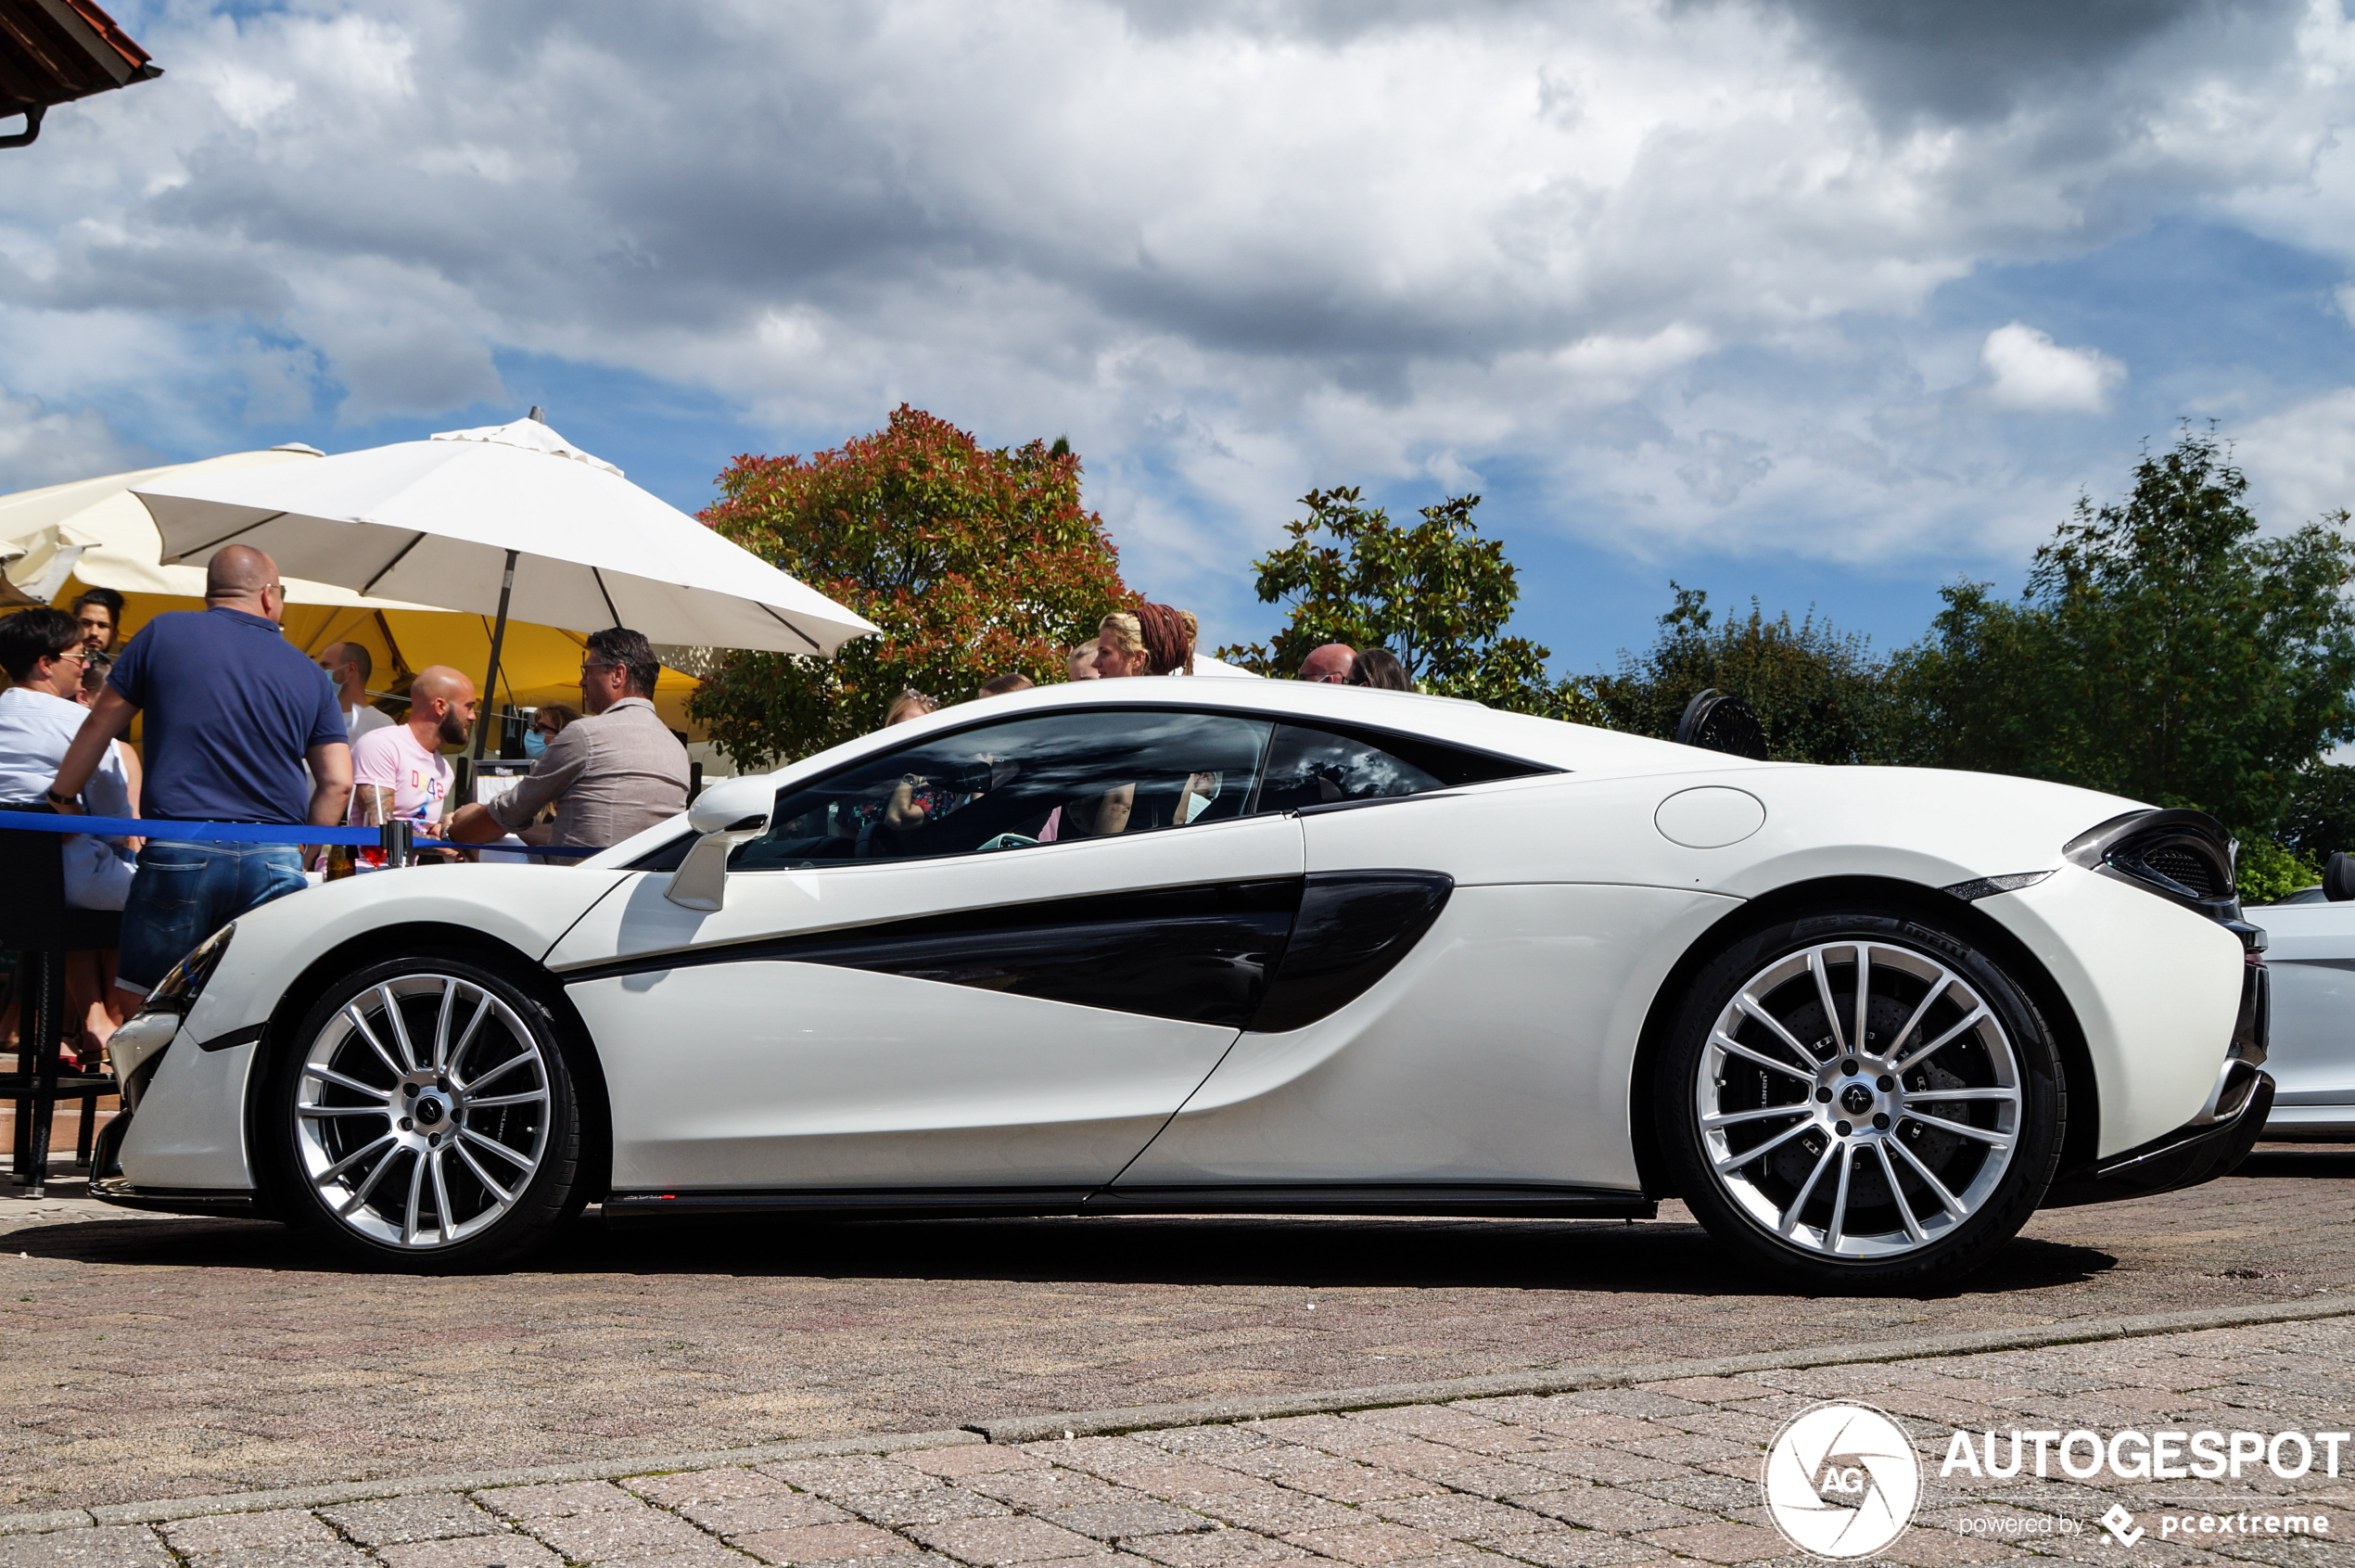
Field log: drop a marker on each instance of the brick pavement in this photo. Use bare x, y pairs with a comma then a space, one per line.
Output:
147, 1358
1660, 1472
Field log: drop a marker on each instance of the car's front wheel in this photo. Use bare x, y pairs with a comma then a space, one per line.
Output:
1860, 1098
423, 1114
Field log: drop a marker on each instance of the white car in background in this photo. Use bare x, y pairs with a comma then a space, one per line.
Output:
2312, 963
1130, 946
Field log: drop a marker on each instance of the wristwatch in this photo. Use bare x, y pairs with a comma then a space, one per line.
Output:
57, 799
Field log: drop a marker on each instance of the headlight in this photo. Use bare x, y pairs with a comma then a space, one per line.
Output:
2185, 856
184, 981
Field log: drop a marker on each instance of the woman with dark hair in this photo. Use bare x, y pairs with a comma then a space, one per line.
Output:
1380, 668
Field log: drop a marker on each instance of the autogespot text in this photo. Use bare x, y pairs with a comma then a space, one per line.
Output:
2144, 1455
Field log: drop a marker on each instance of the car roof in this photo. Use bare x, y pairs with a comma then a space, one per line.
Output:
1451, 720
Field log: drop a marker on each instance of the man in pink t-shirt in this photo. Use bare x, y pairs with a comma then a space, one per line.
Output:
400, 767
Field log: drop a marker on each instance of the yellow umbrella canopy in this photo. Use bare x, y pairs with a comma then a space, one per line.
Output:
118, 548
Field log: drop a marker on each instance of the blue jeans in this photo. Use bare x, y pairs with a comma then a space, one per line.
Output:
183, 893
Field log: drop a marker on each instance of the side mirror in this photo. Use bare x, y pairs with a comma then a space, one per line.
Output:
725, 814
2338, 877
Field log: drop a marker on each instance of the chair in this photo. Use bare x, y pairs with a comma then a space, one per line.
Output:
35, 921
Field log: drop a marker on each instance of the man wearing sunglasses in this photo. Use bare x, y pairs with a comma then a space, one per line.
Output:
610, 775
238, 728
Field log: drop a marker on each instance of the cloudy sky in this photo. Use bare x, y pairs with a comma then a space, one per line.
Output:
1824, 300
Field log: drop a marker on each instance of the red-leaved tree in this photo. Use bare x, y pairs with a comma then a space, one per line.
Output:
972, 561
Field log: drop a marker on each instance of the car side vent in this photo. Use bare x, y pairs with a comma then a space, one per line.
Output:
2183, 855
2182, 865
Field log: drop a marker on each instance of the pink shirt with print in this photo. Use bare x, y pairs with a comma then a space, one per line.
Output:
391, 759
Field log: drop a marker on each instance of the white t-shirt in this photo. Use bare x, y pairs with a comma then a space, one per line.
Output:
391, 759
35, 729
364, 720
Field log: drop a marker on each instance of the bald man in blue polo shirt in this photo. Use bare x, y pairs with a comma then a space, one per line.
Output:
241, 727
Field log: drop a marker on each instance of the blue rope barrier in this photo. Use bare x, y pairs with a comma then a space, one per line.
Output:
251, 833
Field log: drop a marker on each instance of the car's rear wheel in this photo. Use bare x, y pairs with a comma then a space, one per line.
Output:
423, 1114
1860, 1098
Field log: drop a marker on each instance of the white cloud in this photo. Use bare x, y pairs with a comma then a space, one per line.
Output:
1666, 260
2301, 461
42, 446
2029, 371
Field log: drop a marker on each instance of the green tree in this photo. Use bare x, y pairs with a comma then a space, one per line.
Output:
2200, 662
2321, 820
1976, 692
1435, 593
1821, 695
972, 561
2165, 649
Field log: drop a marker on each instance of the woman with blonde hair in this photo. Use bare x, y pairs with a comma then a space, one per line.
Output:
1156, 640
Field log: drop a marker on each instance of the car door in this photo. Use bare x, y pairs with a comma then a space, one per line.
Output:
1466, 989
998, 957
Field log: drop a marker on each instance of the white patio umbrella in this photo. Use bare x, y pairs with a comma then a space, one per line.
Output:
505, 519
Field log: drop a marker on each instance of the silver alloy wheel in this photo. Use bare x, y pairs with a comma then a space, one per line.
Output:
422, 1111
1859, 1100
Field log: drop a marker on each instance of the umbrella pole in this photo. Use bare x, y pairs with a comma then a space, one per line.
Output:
490, 679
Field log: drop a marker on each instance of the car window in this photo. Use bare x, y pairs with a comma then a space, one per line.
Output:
1314, 766
1056, 778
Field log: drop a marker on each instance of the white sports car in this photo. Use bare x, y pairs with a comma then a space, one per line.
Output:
1193, 946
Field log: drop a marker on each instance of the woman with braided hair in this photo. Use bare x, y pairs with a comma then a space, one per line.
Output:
1157, 640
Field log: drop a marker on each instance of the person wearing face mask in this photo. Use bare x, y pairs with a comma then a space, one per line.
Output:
347, 667
548, 721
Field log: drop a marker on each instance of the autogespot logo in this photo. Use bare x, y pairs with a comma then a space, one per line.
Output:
1841, 1481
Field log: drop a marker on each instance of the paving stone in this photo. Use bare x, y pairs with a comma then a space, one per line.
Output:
1607, 1508
1371, 1542
1414, 1455
709, 1554
106, 1546
1103, 1456
1275, 1511
978, 1458
1603, 1462
397, 1521
1458, 1517
894, 1510
988, 1543
706, 1486
556, 1500
1686, 1449
605, 1535
1576, 1549
1048, 1488
1123, 1517
1212, 1548
220, 1533
746, 1515
1923, 1548
1184, 1479
471, 1552
1719, 1541
1703, 1390
297, 1554
822, 1543
850, 1476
